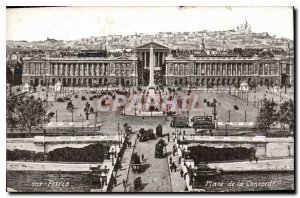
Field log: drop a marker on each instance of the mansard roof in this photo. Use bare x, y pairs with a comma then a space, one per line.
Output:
36, 58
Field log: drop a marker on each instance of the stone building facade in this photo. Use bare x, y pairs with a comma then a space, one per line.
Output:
211, 71
181, 70
85, 72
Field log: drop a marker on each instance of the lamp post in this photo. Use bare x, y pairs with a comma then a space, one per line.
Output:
82, 123
112, 156
131, 84
119, 135
87, 110
247, 97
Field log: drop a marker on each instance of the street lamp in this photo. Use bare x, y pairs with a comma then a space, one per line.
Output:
87, 110
112, 156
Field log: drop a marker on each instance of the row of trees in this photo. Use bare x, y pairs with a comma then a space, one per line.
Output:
24, 111
271, 114
212, 154
90, 153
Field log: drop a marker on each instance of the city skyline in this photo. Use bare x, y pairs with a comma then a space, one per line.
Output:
74, 23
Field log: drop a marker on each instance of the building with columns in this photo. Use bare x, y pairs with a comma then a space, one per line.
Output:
160, 52
181, 70
211, 71
86, 72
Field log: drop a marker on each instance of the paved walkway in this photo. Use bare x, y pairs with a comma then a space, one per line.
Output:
178, 183
286, 164
154, 171
122, 174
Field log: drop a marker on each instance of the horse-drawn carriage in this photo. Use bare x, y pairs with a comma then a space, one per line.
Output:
159, 149
137, 184
145, 135
159, 131
203, 122
135, 163
127, 128
96, 176
180, 122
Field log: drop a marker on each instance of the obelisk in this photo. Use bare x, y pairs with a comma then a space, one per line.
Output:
151, 70
151, 86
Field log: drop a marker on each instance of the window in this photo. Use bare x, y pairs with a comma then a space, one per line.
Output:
260, 69
266, 72
276, 69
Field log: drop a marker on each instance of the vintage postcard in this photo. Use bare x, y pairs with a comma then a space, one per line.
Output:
150, 99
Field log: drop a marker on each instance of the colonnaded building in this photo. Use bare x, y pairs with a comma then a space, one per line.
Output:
180, 70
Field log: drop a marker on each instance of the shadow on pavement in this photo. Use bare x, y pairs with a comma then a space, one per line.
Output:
144, 167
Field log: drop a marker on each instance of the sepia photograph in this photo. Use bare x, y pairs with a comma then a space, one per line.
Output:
150, 99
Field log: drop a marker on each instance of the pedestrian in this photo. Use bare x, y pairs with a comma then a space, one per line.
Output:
170, 160
115, 182
142, 157
256, 159
179, 160
183, 132
175, 167
181, 173
168, 138
124, 183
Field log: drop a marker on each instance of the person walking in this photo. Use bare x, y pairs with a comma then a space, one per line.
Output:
120, 166
124, 183
142, 157
181, 173
115, 182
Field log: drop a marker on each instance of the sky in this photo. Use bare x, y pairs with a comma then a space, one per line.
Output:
69, 23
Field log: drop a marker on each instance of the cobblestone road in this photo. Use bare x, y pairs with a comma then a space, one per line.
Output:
154, 171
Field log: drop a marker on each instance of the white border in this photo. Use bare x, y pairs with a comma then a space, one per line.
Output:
115, 3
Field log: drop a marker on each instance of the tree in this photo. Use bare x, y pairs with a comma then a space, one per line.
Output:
30, 112
70, 106
11, 114
267, 115
9, 75
286, 114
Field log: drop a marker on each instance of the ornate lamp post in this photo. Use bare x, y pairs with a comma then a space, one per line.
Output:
112, 156
87, 110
